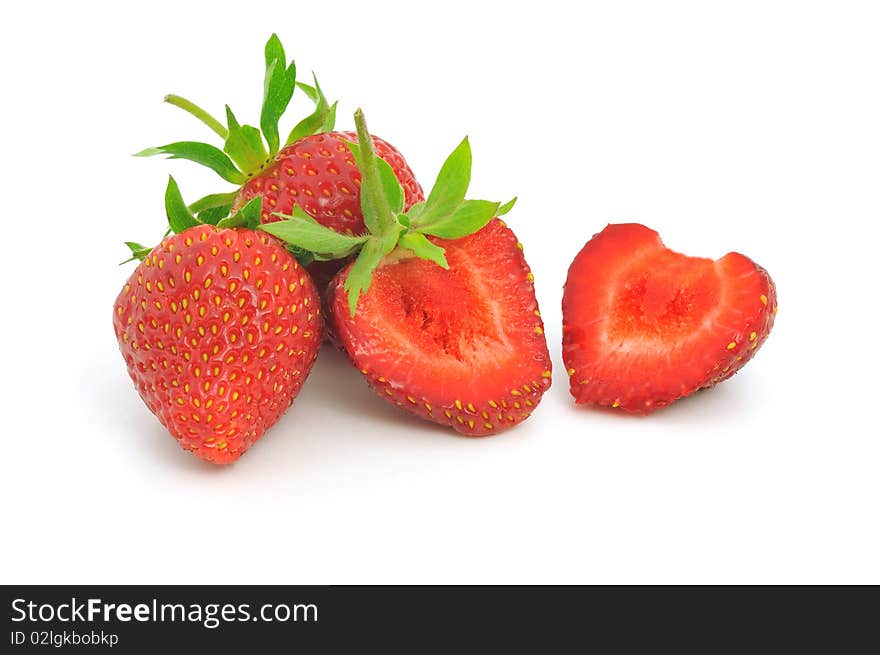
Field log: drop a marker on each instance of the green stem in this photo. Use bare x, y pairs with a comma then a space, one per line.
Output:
198, 112
370, 183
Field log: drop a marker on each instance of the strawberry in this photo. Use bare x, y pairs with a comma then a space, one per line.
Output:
219, 328
644, 326
438, 310
319, 174
313, 169
462, 346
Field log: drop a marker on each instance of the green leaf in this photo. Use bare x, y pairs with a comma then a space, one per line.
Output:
470, 216
213, 200
308, 126
138, 252
315, 95
302, 231
252, 212
194, 110
506, 207
304, 257
371, 218
391, 185
248, 216
376, 202
360, 276
451, 185
214, 215
135, 247
422, 247
310, 91
244, 145
201, 153
179, 216
300, 213
415, 212
278, 87
317, 121
329, 119
387, 179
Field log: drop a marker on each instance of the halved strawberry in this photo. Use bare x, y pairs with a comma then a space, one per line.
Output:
438, 309
462, 346
644, 326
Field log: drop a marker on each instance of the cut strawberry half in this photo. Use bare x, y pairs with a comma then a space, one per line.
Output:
644, 326
462, 346
437, 309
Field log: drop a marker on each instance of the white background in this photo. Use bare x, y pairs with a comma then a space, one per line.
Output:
750, 126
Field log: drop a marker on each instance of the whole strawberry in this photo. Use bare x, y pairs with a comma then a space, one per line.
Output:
312, 169
219, 328
319, 174
643, 326
438, 310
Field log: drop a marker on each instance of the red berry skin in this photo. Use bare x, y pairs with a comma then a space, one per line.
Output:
219, 329
644, 326
463, 347
319, 174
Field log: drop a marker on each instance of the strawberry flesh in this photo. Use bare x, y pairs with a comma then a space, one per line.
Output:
462, 347
644, 326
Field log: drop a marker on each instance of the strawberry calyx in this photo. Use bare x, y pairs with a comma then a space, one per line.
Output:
392, 233
247, 150
182, 217
139, 252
